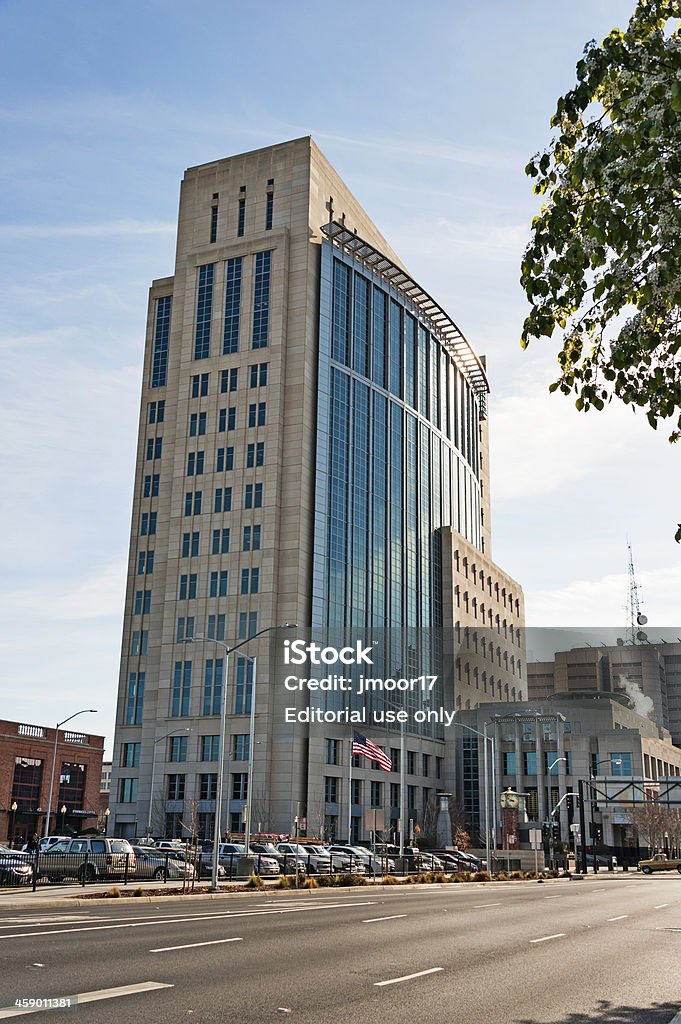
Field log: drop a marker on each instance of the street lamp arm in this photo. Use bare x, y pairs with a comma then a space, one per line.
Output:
85, 711
564, 797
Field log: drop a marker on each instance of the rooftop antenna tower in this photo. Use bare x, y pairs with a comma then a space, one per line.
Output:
635, 616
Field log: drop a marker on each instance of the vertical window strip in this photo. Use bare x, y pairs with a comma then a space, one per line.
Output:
233, 276
261, 299
269, 211
213, 223
395, 347
159, 363
204, 311
360, 334
340, 331
338, 498
378, 337
242, 218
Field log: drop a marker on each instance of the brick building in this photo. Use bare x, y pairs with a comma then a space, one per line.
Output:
26, 753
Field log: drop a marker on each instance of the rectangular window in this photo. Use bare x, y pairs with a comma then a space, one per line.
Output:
127, 791
200, 385
242, 218
135, 701
223, 499
145, 563
220, 542
248, 624
250, 581
241, 747
177, 749
151, 485
204, 311
229, 380
331, 789
332, 751
244, 683
257, 414
213, 223
376, 794
224, 459
253, 496
142, 602
216, 627
176, 787
227, 419
148, 524
509, 762
258, 375
212, 686
182, 681
195, 463
192, 503
130, 755
208, 787
426, 765
530, 762
240, 786
210, 748
139, 643
157, 411
159, 360
154, 448
620, 764
230, 340
269, 211
185, 628
261, 299
251, 538
411, 762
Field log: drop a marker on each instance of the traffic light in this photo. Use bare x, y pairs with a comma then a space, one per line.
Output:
556, 831
598, 834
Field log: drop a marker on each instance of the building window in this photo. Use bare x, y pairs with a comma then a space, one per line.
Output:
130, 755
145, 562
213, 223
376, 794
151, 484
185, 628
210, 748
212, 686
509, 762
332, 751
251, 538
197, 424
154, 448
204, 312
426, 764
395, 794
250, 581
221, 541
157, 411
127, 791
227, 419
241, 747
200, 385
195, 463
230, 340
208, 786
229, 380
135, 701
176, 787
218, 583
148, 524
257, 414
192, 503
216, 627
248, 624
255, 455
620, 764
182, 680
223, 499
244, 686
357, 791
530, 762
253, 496
242, 218
269, 211
331, 789
261, 299
139, 643
142, 602
159, 359
240, 786
411, 762
187, 588
177, 749
258, 375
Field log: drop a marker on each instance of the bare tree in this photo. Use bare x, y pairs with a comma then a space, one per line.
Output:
649, 819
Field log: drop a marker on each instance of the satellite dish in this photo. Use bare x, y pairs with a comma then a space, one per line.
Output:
641, 619
641, 636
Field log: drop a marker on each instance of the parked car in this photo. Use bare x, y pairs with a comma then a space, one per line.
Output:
360, 856
309, 853
87, 859
15, 867
463, 861
153, 863
660, 862
288, 863
230, 854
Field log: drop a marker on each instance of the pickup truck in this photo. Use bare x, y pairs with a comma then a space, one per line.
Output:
660, 862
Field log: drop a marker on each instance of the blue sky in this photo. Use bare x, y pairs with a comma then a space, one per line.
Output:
430, 115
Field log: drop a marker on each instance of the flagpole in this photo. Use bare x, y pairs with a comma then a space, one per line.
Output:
350, 789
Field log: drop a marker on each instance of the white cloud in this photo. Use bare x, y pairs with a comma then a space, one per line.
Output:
412, 149
103, 229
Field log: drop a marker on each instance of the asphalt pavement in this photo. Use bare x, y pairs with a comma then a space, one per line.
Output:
594, 950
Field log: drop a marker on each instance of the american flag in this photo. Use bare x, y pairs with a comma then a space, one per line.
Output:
367, 748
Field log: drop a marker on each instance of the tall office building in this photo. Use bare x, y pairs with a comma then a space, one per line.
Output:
312, 449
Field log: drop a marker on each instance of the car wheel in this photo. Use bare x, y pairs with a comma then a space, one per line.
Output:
158, 873
647, 870
87, 874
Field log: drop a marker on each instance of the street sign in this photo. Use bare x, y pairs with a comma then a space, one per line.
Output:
534, 836
574, 827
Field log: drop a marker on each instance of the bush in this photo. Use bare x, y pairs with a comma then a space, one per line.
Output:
284, 883
310, 883
349, 879
439, 876
461, 876
114, 893
139, 891
516, 875
389, 880
326, 880
255, 882
501, 876
482, 876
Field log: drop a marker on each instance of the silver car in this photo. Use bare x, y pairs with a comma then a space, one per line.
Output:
153, 863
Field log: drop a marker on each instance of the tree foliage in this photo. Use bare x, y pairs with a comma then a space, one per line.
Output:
604, 260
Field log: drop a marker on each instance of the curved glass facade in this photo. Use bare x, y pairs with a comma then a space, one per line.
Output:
397, 454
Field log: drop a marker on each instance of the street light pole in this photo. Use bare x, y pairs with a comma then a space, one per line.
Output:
592, 775
85, 711
217, 827
13, 809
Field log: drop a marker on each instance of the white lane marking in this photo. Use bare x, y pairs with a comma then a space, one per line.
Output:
184, 920
552, 897
661, 905
620, 918
479, 906
596, 890
193, 945
372, 920
407, 977
90, 997
545, 938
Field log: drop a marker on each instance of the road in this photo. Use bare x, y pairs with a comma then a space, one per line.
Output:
562, 952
